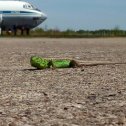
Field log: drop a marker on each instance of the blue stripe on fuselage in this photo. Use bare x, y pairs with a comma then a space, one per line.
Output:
6, 12
15, 12
25, 12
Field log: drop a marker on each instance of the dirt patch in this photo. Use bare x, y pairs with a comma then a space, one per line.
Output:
86, 96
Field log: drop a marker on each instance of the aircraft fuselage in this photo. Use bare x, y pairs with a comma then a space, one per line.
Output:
19, 14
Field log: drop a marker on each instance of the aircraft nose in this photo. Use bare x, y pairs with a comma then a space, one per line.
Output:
43, 16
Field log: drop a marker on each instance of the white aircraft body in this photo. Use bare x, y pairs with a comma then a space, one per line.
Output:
19, 15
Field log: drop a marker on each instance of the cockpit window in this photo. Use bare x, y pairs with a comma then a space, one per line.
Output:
35, 8
25, 6
29, 6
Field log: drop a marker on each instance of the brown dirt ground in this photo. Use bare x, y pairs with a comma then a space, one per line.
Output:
87, 96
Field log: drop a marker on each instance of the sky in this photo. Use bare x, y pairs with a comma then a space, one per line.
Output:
83, 14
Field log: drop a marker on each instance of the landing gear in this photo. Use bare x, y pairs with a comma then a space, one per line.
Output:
0, 31
1, 21
15, 30
9, 32
22, 32
27, 31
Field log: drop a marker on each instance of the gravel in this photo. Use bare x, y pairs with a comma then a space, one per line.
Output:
86, 96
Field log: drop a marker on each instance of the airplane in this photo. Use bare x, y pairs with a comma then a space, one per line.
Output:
20, 15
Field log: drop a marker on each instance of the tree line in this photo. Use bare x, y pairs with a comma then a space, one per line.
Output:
40, 32
69, 33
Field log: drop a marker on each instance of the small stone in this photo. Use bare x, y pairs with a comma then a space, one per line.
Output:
12, 124
65, 108
121, 119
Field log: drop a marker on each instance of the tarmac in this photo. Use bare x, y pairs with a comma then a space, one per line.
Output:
84, 96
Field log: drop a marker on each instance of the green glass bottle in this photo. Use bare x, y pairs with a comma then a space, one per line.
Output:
39, 62
61, 63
